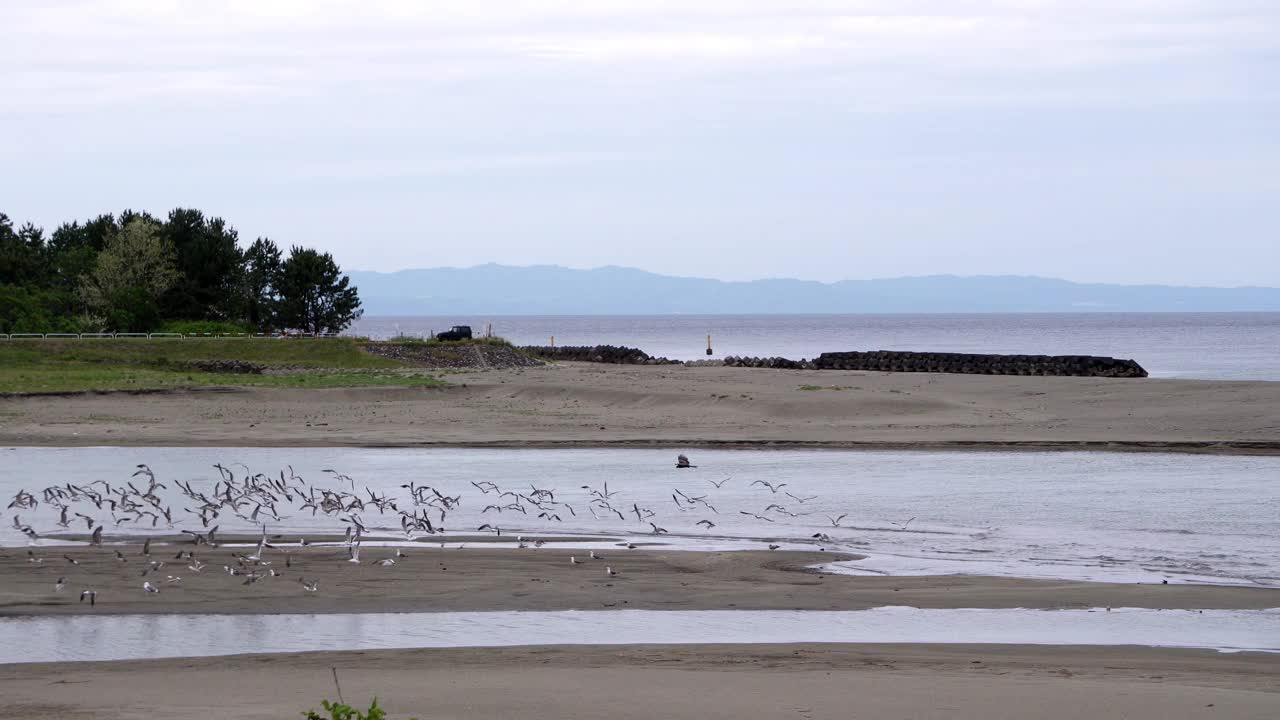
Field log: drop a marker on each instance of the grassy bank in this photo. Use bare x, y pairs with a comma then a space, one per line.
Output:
38, 366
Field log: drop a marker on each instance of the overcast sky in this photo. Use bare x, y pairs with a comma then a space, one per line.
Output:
1096, 140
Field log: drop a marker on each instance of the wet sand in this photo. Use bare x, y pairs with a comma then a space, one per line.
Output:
574, 405
481, 579
811, 682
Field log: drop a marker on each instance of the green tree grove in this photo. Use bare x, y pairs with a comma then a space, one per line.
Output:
315, 296
135, 272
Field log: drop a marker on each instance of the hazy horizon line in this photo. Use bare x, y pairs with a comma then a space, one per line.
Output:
956, 276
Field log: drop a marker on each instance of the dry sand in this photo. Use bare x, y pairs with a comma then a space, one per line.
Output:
807, 682
479, 579
573, 404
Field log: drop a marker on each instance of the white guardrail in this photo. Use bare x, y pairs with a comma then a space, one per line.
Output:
156, 336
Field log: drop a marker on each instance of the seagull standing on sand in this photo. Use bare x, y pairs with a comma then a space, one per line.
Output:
147, 586
610, 572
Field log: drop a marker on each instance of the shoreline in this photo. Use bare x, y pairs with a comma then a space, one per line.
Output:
1245, 448
499, 579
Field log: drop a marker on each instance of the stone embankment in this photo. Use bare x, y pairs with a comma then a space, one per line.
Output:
878, 361
462, 355
610, 354
239, 367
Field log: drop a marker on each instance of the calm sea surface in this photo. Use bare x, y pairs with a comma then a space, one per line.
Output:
1233, 346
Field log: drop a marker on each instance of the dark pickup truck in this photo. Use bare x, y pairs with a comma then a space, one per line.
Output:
457, 332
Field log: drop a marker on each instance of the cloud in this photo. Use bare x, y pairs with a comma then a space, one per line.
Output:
817, 138
65, 53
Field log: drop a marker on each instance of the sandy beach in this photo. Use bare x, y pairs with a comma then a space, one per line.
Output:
572, 404
924, 682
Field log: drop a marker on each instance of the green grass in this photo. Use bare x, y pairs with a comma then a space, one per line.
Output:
810, 388
37, 366
294, 352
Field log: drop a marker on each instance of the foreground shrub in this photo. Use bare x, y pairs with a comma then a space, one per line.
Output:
342, 711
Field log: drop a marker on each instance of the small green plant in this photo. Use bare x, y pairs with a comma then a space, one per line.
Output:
810, 388
342, 711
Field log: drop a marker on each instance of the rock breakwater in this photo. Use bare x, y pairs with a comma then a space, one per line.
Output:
610, 354
976, 364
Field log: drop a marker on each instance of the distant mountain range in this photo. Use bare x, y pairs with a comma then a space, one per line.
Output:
554, 290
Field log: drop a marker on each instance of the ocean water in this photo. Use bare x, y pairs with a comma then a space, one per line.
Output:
1111, 517
137, 637
1228, 346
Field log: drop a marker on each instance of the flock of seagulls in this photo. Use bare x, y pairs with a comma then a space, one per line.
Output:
257, 499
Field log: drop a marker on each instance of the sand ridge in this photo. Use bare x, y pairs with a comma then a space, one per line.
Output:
578, 404
485, 579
